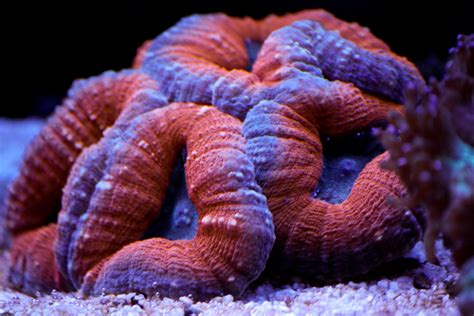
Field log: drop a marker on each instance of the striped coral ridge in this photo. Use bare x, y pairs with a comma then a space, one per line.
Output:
91, 106
235, 233
316, 238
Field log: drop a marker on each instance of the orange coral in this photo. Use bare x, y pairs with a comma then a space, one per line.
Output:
314, 237
33, 266
193, 62
90, 108
128, 179
305, 81
283, 130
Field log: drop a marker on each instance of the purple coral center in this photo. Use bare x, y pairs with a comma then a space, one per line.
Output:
253, 48
344, 158
178, 216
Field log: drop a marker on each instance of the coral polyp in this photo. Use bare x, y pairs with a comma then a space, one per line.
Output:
432, 150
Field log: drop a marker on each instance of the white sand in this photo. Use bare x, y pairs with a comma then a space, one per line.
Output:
395, 296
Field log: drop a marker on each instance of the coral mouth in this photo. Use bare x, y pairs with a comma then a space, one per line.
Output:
253, 48
344, 158
178, 216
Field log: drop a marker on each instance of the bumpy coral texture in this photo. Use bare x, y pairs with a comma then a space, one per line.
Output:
114, 192
315, 237
111, 148
128, 179
90, 108
337, 85
432, 150
194, 63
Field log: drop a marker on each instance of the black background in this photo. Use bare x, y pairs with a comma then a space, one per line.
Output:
49, 45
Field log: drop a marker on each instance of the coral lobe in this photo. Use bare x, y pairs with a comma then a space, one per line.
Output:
253, 160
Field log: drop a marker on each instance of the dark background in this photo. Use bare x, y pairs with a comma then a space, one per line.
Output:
53, 44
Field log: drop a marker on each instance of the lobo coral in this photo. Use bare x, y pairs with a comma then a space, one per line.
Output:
111, 149
123, 192
314, 237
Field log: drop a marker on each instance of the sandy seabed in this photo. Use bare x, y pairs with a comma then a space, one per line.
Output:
416, 289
